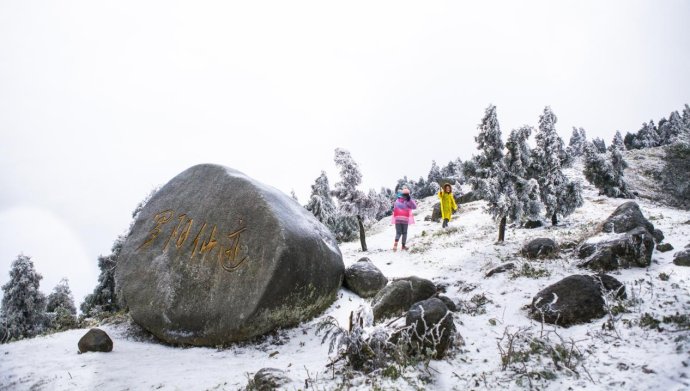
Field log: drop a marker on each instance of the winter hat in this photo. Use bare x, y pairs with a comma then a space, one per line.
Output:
447, 184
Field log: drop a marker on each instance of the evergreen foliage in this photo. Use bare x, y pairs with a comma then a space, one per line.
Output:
23, 304
351, 201
321, 203
526, 204
617, 142
60, 307
577, 142
605, 172
559, 196
599, 144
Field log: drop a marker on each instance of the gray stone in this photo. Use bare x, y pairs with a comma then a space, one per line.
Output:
658, 235
450, 304
500, 269
268, 379
634, 248
216, 257
627, 217
575, 299
664, 247
364, 278
436, 213
432, 327
540, 248
682, 258
534, 224
399, 295
95, 340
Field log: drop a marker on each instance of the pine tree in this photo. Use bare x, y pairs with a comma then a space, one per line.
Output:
558, 194
577, 142
23, 304
670, 130
617, 142
321, 204
526, 203
61, 307
434, 173
599, 144
351, 201
647, 136
489, 174
104, 298
606, 174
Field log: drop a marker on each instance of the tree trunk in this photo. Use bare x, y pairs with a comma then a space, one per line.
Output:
502, 229
554, 219
362, 238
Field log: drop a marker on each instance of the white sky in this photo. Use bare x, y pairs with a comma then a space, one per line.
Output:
101, 101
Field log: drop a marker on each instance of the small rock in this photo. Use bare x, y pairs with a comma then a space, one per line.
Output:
433, 326
500, 269
540, 248
682, 258
364, 278
95, 340
267, 379
658, 235
664, 247
533, 224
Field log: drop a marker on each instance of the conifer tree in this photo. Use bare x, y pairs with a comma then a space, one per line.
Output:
599, 144
558, 194
606, 172
321, 204
61, 306
577, 142
23, 304
351, 201
490, 176
617, 142
670, 130
525, 204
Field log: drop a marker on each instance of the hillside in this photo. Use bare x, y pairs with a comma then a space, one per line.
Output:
635, 349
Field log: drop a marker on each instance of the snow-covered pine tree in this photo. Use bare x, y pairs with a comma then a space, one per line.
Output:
489, 174
23, 305
526, 205
351, 201
321, 204
434, 173
558, 194
577, 142
599, 144
61, 307
104, 297
453, 172
646, 137
606, 172
670, 130
617, 142
686, 118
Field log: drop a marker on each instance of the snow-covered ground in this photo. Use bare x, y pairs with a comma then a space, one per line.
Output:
618, 354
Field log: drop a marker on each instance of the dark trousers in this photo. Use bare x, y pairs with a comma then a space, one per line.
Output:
401, 230
445, 223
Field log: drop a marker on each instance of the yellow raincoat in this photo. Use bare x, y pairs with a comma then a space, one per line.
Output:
447, 204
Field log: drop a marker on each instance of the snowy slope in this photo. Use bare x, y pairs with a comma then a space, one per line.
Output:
625, 356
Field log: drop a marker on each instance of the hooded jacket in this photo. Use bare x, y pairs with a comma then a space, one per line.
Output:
448, 204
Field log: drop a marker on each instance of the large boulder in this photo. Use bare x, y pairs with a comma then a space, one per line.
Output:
216, 257
682, 258
95, 340
432, 327
632, 248
436, 213
540, 248
269, 379
574, 299
397, 297
364, 278
627, 217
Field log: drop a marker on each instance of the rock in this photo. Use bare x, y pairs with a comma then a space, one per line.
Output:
399, 295
217, 257
268, 379
574, 299
468, 197
534, 224
95, 340
627, 217
427, 218
540, 248
658, 235
436, 213
450, 304
364, 278
500, 269
682, 258
687, 245
664, 247
431, 321
633, 248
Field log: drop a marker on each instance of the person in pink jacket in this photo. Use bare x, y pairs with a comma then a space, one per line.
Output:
402, 216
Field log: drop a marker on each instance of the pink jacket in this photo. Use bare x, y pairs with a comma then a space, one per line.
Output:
402, 211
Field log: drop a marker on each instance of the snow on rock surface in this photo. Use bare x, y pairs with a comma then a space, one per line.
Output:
624, 350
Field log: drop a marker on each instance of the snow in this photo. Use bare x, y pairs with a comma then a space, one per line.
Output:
630, 357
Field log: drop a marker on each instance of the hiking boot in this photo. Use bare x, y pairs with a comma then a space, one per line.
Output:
395, 246
404, 248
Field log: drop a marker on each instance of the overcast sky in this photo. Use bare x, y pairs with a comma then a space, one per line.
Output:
100, 101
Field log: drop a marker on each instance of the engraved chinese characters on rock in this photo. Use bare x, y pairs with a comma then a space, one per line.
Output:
207, 239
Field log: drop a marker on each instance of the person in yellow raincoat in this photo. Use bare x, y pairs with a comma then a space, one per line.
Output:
448, 205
